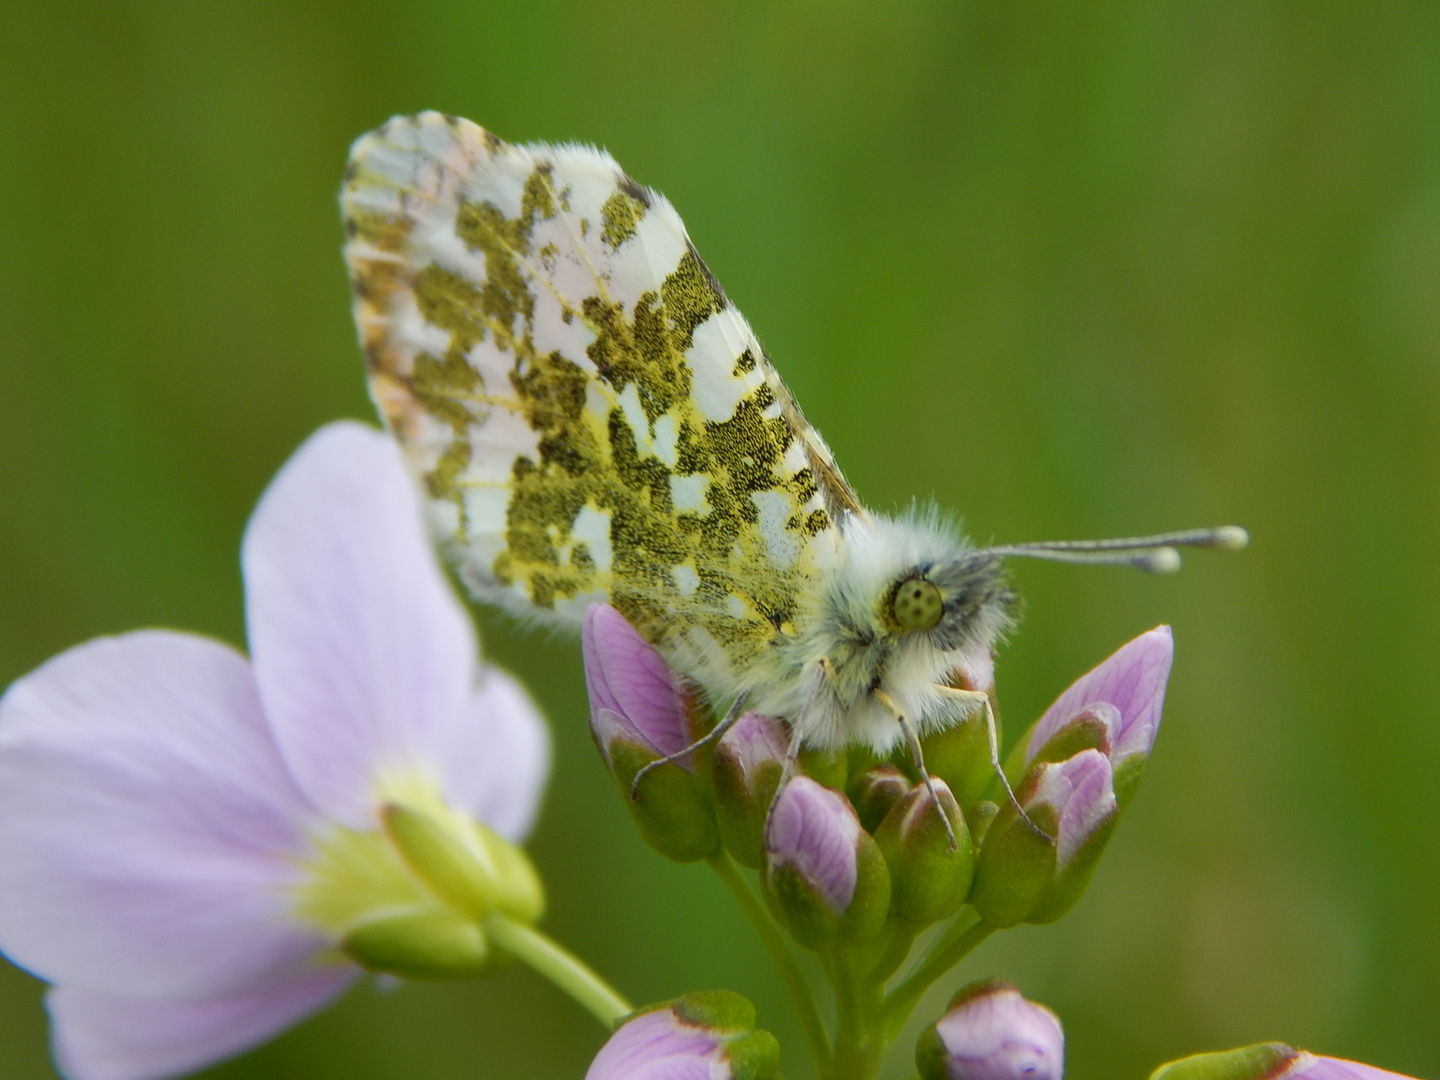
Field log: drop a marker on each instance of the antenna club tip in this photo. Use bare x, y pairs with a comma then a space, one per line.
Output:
1165, 560
1231, 538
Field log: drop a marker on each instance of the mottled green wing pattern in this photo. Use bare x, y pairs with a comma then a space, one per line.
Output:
592, 418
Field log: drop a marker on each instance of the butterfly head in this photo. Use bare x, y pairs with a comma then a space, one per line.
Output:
953, 602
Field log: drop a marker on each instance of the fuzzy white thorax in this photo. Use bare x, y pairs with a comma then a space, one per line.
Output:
846, 646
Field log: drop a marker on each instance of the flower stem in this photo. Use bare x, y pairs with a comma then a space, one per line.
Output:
967, 933
560, 966
808, 1013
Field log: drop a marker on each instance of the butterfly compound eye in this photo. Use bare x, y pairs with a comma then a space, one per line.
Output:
918, 605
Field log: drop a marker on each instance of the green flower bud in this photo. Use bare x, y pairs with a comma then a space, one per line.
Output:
960, 756
1258, 1062
928, 879
466, 864
669, 808
875, 791
426, 944
1016, 861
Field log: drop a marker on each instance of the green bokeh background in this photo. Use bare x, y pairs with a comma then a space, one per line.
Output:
1074, 269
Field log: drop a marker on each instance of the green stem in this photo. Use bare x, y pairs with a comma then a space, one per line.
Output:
813, 1027
951, 950
897, 948
561, 967
860, 1044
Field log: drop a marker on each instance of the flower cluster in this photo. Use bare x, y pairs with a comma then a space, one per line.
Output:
850, 844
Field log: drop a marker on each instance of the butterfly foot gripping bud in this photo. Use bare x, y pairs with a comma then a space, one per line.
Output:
990, 1032
640, 714
929, 879
824, 875
749, 761
710, 1033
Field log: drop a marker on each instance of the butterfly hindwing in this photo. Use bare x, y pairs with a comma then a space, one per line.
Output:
592, 418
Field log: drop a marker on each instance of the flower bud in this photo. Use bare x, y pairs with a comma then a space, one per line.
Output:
749, 760
823, 873
466, 864
640, 712
1268, 1061
1036, 870
710, 1034
928, 879
960, 754
990, 1032
876, 791
429, 943
1081, 763
1124, 696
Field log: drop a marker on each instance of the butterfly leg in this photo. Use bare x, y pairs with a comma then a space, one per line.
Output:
982, 699
824, 672
918, 756
710, 736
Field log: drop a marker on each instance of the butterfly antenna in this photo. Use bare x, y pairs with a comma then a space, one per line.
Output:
1155, 554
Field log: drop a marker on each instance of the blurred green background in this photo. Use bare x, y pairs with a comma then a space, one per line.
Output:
1075, 269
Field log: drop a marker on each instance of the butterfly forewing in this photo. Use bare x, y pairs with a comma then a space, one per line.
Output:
593, 420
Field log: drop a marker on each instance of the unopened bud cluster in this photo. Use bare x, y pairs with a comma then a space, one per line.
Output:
849, 844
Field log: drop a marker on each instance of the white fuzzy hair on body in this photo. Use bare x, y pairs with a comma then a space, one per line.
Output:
847, 645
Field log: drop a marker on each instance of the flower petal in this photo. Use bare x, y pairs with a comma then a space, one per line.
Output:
101, 1037
363, 654
1133, 680
148, 827
654, 1046
1328, 1068
625, 674
497, 757
1082, 790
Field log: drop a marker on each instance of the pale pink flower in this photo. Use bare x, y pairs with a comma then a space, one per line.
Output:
161, 796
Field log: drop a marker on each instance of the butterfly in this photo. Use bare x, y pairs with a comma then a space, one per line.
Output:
593, 421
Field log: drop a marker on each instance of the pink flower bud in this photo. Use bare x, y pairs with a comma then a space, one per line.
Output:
1081, 792
814, 831
631, 682
749, 761
1129, 689
823, 872
702, 1036
992, 1033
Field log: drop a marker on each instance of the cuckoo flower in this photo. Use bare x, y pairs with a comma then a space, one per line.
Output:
990, 1032
191, 842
